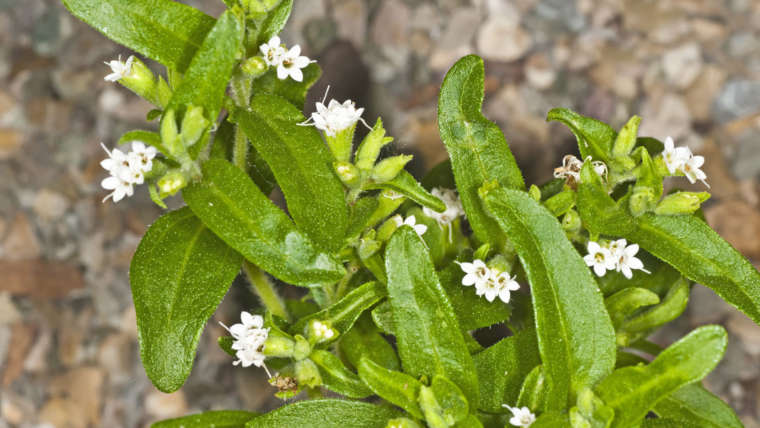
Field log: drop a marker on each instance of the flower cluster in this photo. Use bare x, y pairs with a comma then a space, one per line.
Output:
571, 169
681, 159
126, 169
488, 282
521, 416
453, 210
119, 69
412, 222
614, 255
250, 337
288, 62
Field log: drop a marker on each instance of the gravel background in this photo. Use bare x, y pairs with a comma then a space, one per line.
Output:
68, 351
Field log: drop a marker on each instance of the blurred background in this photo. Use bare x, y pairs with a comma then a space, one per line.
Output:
68, 347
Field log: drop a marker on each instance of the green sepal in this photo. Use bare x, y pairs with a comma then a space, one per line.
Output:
369, 149
680, 203
626, 138
648, 188
389, 168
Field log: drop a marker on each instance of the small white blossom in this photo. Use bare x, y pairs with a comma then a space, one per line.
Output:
691, 169
521, 416
675, 157
120, 188
273, 52
504, 283
571, 169
335, 117
126, 169
476, 273
291, 64
625, 257
250, 337
141, 156
599, 258
420, 229
453, 204
119, 69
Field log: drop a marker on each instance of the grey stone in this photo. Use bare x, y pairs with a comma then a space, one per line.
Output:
738, 98
501, 40
682, 65
747, 160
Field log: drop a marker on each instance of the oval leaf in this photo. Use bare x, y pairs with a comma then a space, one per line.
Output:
594, 137
632, 391
166, 31
179, 275
575, 334
392, 386
302, 166
336, 377
207, 77
407, 185
217, 419
685, 242
479, 153
233, 207
694, 403
428, 334
472, 311
347, 310
327, 413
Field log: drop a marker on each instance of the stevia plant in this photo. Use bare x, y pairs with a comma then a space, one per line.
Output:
398, 275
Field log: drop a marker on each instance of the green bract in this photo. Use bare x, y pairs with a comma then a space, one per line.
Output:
399, 277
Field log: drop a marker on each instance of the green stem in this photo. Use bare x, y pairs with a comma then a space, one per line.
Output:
240, 150
351, 269
265, 290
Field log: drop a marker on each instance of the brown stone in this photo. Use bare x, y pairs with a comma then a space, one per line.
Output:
163, 406
63, 413
82, 387
39, 278
21, 242
10, 142
22, 336
739, 223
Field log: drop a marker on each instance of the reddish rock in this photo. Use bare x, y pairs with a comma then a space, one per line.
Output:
39, 278
738, 223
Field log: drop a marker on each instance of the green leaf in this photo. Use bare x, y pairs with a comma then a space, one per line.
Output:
294, 92
575, 334
347, 310
382, 315
595, 138
233, 207
258, 170
533, 390
551, 420
472, 311
685, 242
505, 365
479, 153
407, 185
560, 203
326, 413
443, 403
302, 166
274, 22
696, 404
364, 340
632, 391
671, 307
336, 377
428, 335
392, 386
360, 214
166, 31
669, 423
179, 274
626, 301
206, 79
217, 419
147, 137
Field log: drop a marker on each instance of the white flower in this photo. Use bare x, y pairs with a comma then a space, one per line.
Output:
625, 258
600, 168
335, 117
692, 172
571, 169
119, 186
420, 229
476, 273
453, 206
599, 258
504, 283
291, 64
273, 52
141, 156
119, 69
521, 416
675, 157
250, 337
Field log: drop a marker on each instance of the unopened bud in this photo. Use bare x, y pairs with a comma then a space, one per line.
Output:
369, 150
347, 173
307, 373
254, 66
302, 348
278, 346
170, 133
681, 203
402, 423
388, 169
171, 183
194, 124
385, 231
320, 331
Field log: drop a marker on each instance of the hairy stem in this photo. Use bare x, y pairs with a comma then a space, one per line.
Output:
240, 150
264, 288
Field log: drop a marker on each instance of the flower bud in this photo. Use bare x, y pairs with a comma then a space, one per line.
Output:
347, 173
402, 423
388, 202
278, 346
388, 169
320, 331
385, 231
302, 348
142, 82
170, 134
369, 150
194, 124
171, 183
307, 373
681, 203
535, 193
341, 143
254, 66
